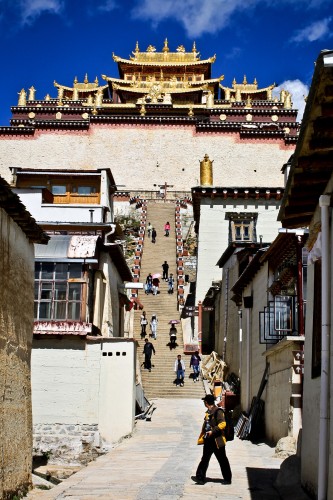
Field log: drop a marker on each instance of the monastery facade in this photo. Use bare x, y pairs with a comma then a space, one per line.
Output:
153, 124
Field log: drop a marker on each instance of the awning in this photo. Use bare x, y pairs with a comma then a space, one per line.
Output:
66, 248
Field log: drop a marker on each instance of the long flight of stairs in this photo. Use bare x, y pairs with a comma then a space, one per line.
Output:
159, 383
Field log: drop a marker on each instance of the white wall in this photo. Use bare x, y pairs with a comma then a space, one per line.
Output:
32, 199
214, 233
78, 388
132, 152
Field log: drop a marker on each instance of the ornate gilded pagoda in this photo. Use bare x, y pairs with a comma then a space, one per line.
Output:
165, 86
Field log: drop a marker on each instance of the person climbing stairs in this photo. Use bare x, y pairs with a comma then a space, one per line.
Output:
160, 381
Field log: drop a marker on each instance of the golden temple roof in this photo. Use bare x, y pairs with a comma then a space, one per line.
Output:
167, 58
84, 86
245, 87
168, 85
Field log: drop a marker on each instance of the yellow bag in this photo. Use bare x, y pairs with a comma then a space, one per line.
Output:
201, 438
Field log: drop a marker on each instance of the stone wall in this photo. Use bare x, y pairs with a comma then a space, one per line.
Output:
71, 444
16, 324
132, 153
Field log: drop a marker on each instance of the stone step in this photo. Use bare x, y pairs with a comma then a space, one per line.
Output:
159, 382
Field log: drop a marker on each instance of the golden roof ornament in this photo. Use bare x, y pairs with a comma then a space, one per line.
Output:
22, 101
210, 100
137, 50
206, 171
151, 48
47, 97
75, 96
248, 102
99, 98
143, 110
90, 100
287, 102
85, 78
181, 49
166, 48
32, 93
96, 81
244, 80
75, 81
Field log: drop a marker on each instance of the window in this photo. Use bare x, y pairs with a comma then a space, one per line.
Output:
58, 189
84, 190
316, 326
242, 227
58, 291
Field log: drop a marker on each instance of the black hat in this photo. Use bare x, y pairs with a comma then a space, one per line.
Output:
209, 399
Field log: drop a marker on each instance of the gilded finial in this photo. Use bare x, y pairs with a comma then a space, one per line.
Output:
255, 82
86, 78
166, 48
32, 93
47, 97
248, 102
287, 103
75, 81
99, 98
194, 49
137, 50
96, 81
22, 101
234, 82
244, 80
143, 110
206, 171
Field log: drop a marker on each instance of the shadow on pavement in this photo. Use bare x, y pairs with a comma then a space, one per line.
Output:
261, 483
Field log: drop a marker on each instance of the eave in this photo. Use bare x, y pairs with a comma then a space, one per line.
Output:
12, 205
231, 193
312, 163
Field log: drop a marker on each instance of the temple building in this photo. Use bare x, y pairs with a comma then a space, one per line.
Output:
153, 123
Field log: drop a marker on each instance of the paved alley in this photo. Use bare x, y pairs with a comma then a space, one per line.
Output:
158, 460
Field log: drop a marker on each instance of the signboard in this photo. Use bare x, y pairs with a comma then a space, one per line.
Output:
188, 314
299, 356
206, 308
191, 308
299, 369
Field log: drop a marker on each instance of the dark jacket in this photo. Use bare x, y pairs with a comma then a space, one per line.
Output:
216, 419
148, 349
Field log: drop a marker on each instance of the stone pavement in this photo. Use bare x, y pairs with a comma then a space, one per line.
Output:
158, 460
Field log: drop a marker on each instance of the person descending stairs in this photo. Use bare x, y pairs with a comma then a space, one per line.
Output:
159, 383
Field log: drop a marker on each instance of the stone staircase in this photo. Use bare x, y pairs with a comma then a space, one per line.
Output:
159, 383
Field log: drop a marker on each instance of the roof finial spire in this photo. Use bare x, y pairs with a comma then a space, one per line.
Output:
194, 48
244, 80
166, 48
86, 78
137, 50
75, 81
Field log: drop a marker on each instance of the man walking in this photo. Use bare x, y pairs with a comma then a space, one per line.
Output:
212, 434
180, 370
148, 350
165, 268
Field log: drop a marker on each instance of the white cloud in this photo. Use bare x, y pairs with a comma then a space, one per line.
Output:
31, 9
108, 5
196, 16
298, 91
315, 31
206, 16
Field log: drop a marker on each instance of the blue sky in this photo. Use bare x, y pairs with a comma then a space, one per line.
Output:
275, 41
